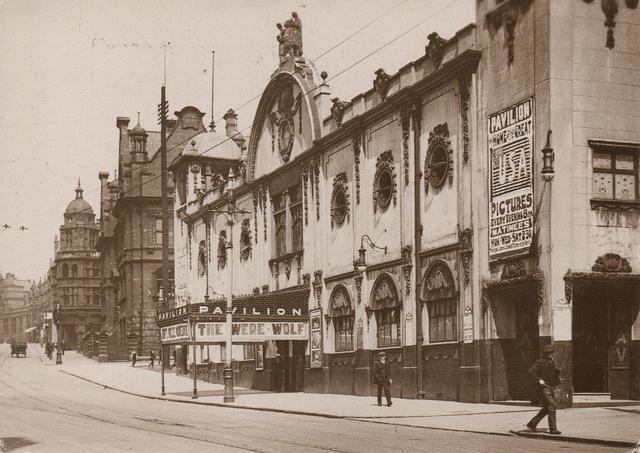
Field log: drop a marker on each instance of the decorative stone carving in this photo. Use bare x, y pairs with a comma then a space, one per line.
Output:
385, 294
255, 199
222, 249
358, 279
265, 289
407, 250
305, 186
438, 163
465, 239
508, 14
405, 122
340, 206
513, 269
339, 302
338, 108
218, 182
384, 165
281, 121
317, 286
356, 143
256, 290
245, 240
264, 211
464, 89
611, 262
290, 38
381, 83
202, 258
316, 177
306, 279
439, 284
435, 48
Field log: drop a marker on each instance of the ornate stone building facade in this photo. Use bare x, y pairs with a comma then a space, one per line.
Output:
75, 284
14, 306
427, 217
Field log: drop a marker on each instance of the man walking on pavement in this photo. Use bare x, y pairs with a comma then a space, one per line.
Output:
134, 358
152, 358
546, 376
382, 377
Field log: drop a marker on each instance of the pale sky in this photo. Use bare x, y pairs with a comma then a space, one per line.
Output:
69, 68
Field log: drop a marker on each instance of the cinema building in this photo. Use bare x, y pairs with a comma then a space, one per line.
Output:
433, 217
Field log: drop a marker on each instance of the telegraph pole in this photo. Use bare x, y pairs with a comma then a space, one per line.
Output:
163, 109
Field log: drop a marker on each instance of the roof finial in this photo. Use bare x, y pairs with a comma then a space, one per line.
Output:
79, 190
138, 117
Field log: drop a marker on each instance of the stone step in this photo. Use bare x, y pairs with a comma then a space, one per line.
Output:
591, 397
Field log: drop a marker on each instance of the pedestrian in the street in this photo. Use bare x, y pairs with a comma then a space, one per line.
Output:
175, 359
62, 346
382, 377
134, 358
546, 377
152, 358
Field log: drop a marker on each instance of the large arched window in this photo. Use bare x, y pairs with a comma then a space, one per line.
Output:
74, 270
342, 315
440, 295
65, 270
387, 307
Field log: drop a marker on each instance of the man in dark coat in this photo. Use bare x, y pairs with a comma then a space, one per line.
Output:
382, 377
546, 377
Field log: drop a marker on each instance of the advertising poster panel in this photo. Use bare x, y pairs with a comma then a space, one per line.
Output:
510, 139
315, 320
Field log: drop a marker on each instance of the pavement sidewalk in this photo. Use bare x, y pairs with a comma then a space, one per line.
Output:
618, 426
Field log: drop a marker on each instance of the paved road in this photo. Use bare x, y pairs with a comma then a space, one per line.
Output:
43, 410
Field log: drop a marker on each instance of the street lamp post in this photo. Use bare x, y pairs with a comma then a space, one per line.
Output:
58, 351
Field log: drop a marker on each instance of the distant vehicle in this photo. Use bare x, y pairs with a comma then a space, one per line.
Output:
18, 346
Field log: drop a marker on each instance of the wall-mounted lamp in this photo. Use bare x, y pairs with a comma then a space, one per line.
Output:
361, 264
548, 157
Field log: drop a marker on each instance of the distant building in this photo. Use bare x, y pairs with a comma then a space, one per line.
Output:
75, 283
14, 313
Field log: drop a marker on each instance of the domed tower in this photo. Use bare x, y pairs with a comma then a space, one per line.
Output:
78, 273
138, 143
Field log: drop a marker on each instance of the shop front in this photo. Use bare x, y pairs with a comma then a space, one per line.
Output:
269, 339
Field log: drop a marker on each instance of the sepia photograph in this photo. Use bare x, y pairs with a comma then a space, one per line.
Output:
330, 225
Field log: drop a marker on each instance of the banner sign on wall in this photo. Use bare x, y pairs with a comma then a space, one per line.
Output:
215, 332
510, 138
315, 348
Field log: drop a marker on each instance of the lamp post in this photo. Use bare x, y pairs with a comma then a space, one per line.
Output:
162, 358
57, 322
361, 263
548, 158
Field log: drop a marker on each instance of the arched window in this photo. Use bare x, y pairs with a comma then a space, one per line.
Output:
387, 307
440, 295
65, 270
202, 258
342, 316
74, 270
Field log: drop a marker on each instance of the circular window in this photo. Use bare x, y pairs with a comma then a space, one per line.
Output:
437, 165
385, 189
339, 207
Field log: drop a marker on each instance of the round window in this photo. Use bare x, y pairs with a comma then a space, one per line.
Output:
385, 188
339, 207
437, 165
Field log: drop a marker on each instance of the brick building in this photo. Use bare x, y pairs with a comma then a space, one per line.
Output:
420, 218
130, 241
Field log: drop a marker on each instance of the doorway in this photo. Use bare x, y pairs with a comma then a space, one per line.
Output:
603, 313
515, 313
288, 367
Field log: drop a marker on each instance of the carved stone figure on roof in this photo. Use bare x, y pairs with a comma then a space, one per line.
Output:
435, 48
290, 38
381, 83
281, 121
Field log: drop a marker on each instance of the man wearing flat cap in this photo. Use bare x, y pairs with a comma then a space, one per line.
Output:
382, 377
546, 377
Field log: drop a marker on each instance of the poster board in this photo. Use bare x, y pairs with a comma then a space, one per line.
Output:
510, 141
315, 339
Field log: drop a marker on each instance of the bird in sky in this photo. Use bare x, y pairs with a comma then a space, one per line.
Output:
5, 226
23, 228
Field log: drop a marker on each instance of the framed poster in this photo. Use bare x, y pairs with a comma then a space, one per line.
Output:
315, 340
510, 140
259, 357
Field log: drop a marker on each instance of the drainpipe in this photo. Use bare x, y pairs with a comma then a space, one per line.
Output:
416, 114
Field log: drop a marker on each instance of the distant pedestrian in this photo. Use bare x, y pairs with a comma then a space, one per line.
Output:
546, 376
152, 358
62, 346
134, 358
175, 359
382, 377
